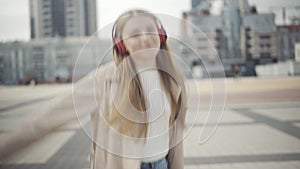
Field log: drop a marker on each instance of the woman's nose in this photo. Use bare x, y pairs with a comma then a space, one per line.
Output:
144, 37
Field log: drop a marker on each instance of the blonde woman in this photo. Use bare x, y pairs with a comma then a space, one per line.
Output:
137, 102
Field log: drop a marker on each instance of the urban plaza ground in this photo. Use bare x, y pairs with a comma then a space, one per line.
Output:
260, 127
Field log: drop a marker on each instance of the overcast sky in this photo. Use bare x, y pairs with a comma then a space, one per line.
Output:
14, 14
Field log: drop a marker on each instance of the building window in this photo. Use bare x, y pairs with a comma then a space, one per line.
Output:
70, 20
70, 3
46, 20
265, 45
264, 37
218, 30
46, 6
70, 12
265, 55
46, 12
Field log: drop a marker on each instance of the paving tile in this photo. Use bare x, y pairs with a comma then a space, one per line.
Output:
241, 140
42, 150
253, 165
281, 114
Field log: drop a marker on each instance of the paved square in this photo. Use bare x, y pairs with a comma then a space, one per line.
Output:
260, 128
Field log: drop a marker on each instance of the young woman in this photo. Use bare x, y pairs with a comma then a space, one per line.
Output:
137, 102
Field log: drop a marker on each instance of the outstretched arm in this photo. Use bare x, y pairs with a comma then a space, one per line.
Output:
76, 102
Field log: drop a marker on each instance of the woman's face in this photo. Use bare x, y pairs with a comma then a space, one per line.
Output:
140, 36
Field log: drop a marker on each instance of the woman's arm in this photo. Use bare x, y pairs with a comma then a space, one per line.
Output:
69, 106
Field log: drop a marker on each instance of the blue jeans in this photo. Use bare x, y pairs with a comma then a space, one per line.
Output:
160, 164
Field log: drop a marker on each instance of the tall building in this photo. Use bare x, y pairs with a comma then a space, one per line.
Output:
287, 37
51, 59
239, 35
231, 15
64, 18
258, 42
205, 37
195, 3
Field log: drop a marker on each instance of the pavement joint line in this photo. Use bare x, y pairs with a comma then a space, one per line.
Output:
270, 105
292, 121
189, 124
237, 123
242, 158
223, 124
21, 166
22, 104
54, 131
276, 124
275, 106
73, 153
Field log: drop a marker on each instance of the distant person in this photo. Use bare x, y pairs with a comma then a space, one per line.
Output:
57, 79
137, 102
236, 69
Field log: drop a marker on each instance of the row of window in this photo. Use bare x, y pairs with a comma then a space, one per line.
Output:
264, 37
262, 55
49, 34
266, 45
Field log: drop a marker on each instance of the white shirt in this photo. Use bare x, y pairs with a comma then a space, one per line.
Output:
158, 113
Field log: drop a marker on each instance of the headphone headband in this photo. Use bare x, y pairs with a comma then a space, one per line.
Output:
118, 41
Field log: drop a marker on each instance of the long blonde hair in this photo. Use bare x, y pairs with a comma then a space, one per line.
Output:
170, 78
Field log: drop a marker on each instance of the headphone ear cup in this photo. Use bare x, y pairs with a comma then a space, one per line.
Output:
162, 35
121, 49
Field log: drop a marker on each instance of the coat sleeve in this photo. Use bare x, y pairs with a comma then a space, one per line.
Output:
175, 155
75, 102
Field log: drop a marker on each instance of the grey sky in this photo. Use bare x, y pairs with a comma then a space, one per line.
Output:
14, 14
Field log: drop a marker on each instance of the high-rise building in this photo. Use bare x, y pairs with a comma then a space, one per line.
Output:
195, 3
64, 18
51, 59
238, 34
287, 37
258, 42
206, 40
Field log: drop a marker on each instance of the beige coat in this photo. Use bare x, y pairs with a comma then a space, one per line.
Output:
90, 96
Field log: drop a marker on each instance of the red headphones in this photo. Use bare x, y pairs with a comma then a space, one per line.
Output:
120, 47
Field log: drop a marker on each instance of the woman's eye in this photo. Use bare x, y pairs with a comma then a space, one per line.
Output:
135, 35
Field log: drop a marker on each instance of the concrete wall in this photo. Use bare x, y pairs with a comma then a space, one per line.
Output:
288, 68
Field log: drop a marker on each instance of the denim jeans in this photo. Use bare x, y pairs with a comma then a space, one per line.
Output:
160, 164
